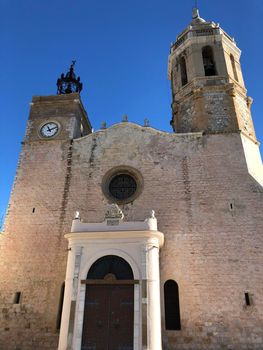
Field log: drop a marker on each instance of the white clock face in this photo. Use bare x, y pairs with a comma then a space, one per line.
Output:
49, 129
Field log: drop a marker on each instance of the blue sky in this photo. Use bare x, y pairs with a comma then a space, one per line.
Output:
121, 48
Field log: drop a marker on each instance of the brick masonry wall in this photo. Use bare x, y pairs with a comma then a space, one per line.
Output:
33, 249
214, 253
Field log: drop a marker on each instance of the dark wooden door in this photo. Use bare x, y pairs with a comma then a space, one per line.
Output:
108, 317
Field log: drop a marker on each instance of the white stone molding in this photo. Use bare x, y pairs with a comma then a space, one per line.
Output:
110, 251
114, 223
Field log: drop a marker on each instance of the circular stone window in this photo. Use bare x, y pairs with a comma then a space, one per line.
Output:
122, 185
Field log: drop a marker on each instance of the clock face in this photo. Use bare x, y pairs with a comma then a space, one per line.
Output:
49, 129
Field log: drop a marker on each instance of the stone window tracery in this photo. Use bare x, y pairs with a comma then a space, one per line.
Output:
122, 184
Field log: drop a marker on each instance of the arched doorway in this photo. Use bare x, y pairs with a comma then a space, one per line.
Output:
109, 305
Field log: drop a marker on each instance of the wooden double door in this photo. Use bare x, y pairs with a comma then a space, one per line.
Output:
108, 317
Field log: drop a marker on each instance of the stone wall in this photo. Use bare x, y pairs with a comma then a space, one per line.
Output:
207, 105
33, 249
208, 207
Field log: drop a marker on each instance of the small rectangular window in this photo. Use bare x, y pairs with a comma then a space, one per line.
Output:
247, 299
17, 298
231, 206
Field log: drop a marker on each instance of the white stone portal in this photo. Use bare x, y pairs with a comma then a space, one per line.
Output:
136, 242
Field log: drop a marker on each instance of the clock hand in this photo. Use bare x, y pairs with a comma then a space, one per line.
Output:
55, 127
48, 129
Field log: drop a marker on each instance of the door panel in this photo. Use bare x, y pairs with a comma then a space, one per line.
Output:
121, 324
108, 317
95, 322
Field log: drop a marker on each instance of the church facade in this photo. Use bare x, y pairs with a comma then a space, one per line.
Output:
134, 238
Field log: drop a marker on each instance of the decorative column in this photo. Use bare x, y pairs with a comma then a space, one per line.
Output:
69, 303
153, 295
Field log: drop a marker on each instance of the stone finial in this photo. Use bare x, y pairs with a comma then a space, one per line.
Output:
146, 122
77, 215
195, 13
249, 101
113, 212
103, 125
124, 118
152, 215
196, 19
152, 221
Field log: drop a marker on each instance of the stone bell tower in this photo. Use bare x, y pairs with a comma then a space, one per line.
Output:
208, 91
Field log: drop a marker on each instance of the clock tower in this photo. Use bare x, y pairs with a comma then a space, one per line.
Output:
36, 220
59, 117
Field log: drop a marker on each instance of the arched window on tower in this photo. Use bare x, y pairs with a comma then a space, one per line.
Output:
234, 67
171, 306
208, 61
183, 70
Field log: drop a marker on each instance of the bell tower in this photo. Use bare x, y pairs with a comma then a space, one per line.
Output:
208, 91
